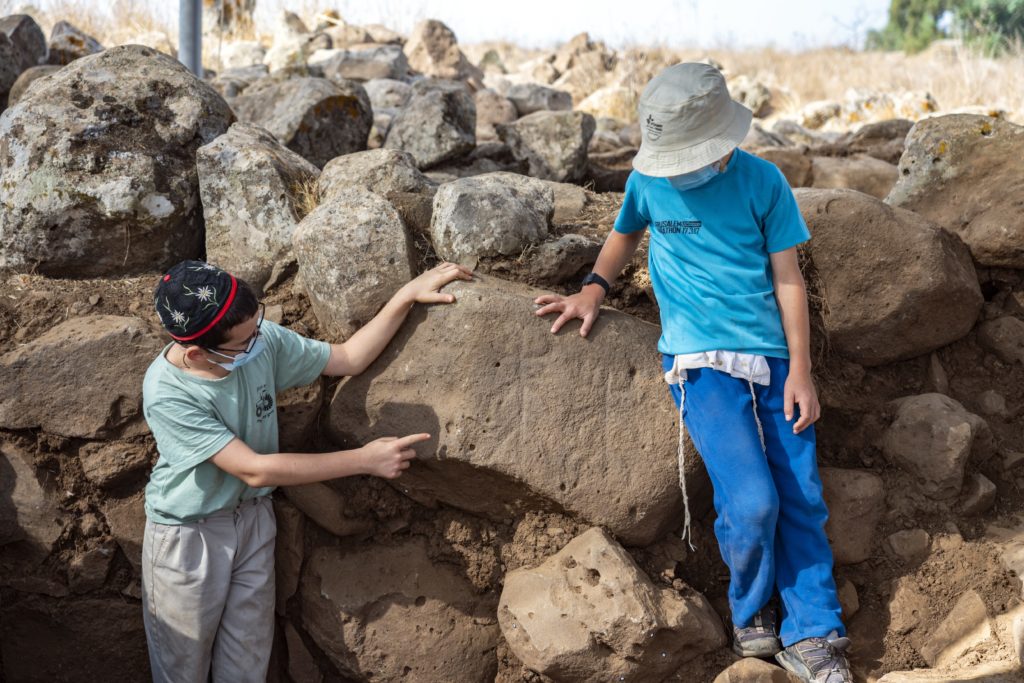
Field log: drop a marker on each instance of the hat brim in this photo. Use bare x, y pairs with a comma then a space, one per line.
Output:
662, 163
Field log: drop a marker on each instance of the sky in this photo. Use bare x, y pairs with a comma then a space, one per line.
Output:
788, 24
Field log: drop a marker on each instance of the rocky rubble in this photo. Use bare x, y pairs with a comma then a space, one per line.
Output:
536, 537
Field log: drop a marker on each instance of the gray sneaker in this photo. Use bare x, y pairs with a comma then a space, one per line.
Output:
817, 660
761, 638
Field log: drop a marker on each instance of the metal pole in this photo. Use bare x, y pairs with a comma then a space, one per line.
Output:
190, 35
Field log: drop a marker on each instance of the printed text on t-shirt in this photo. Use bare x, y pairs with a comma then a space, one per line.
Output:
677, 227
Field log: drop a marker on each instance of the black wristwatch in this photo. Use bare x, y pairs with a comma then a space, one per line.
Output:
595, 279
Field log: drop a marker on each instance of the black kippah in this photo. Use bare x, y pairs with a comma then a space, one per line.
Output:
192, 297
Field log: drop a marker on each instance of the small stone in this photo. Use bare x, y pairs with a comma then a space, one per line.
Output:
938, 380
907, 607
274, 313
1012, 460
848, 598
992, 402
910, 545
88, 570
951, 540
95, 299
979, 496
966, 626
90, 524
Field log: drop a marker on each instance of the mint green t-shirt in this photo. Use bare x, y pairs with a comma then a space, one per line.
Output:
193, 418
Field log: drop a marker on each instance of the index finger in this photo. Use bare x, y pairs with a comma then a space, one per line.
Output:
411, 439
547, 299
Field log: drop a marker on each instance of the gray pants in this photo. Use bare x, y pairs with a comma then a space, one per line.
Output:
208, 595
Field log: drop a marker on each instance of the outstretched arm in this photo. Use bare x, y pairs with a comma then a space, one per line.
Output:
618, 249
386, 457
362, 348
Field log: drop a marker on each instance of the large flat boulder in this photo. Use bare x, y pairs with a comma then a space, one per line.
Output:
250, 184
963, 171
589, 613
95, 399
97, 166
522, 418
896, 285
392, 613
857, 172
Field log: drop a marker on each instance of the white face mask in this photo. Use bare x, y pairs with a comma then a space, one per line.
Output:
242, 357
694, 179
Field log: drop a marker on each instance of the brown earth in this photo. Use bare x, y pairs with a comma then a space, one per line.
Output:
854, 411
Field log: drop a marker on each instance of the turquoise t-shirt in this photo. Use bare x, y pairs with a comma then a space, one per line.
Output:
708, 255
193, 418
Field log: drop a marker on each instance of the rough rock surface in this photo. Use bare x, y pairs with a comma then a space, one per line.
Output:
1004, 337
392, 613
489, 215
289, 550
387, 93
249, 184
22, 46
314, 117
381, 171
437, 125
434, 51
589, 613
491, 109
353, 253
531, 97
492, 384
383, 61
856, 503
27, 512
97, 168
964, 173
68, 43
897, 285
27, 78
553, 143
110, 463
101, 398
858, 172
126, 518
932, 437
751, 670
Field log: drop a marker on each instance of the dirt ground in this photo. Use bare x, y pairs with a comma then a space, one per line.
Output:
853, 399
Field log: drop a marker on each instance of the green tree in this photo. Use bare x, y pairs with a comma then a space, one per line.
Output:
991, 25
913, 25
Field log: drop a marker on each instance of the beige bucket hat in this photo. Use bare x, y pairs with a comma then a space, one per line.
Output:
687, 121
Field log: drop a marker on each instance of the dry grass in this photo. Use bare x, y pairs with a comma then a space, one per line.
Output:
133, 17
956, 78
306, 194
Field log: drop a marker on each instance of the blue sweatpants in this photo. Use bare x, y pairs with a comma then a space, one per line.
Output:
771, 514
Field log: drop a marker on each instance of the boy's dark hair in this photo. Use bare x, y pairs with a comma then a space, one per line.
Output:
198, 303
242, 308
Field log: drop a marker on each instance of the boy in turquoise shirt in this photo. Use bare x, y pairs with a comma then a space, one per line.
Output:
736, 353
209, 399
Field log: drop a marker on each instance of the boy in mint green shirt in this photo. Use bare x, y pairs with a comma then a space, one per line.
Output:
209, 399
